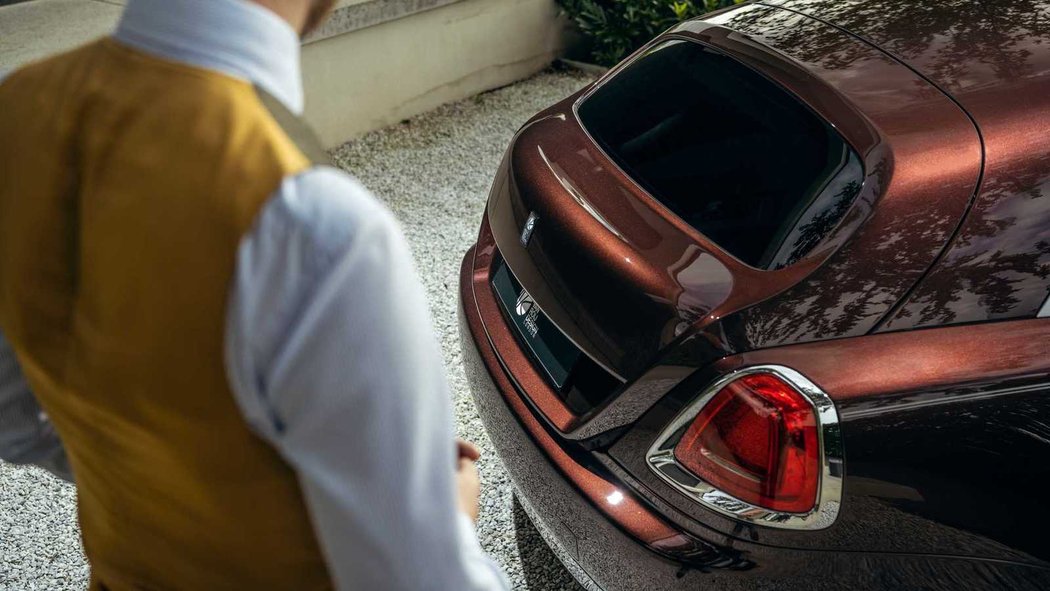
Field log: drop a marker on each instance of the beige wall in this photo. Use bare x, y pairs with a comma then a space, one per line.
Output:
361, 79
385, 73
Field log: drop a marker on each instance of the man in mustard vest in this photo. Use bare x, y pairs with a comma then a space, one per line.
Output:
217, 335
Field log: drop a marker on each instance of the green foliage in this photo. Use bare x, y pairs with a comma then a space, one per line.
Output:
615, 28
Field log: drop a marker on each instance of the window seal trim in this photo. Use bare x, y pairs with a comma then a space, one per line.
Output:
645, 50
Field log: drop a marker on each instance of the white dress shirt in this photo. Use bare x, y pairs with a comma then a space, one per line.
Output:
330, 351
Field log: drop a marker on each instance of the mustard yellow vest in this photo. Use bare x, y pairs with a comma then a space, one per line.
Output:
126, 183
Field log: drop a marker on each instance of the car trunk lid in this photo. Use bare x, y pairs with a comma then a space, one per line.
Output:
646, 295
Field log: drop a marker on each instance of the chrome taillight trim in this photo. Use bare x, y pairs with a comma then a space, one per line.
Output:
662, 461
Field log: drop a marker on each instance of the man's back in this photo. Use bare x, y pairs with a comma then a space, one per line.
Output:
229, 334
119, 230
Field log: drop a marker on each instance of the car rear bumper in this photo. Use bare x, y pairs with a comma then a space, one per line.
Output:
610, 539
597, 552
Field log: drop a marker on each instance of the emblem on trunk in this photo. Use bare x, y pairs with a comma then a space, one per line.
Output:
530, 225
526, 308
524, 304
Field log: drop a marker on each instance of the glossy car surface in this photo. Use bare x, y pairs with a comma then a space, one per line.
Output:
919, 310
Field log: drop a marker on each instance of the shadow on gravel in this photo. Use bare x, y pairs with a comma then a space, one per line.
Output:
543, 570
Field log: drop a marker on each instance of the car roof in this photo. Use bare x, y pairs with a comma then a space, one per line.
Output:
992, 56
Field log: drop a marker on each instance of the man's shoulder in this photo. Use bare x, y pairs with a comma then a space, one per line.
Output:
329, 208
57, 67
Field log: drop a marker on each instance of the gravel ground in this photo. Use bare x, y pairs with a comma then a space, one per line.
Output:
434, 171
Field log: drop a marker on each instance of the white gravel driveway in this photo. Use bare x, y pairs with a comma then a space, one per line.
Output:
434, 171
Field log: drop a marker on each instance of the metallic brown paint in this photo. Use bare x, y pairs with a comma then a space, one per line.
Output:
525, 375
991, 58
600, 234
894, 363
935, 153
943, 373
478, 303
945, 431
616, 560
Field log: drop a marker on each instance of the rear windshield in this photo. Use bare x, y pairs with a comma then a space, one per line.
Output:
727, 150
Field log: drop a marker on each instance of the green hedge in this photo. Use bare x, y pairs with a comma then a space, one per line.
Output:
615, 28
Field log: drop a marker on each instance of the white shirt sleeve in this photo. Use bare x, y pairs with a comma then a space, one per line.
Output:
332, 358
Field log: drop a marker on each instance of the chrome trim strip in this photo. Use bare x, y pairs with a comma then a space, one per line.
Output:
661, 459
602, 81
578, 197
1044, 312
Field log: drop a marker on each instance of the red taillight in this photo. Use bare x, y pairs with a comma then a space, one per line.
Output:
756, 440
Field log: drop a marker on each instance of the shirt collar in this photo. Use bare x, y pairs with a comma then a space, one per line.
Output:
234, 37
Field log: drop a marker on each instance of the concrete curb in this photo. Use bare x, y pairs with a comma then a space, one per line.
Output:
588, 68
375, 62
367, 13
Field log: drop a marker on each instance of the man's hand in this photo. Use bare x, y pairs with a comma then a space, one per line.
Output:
468, 450
468, 482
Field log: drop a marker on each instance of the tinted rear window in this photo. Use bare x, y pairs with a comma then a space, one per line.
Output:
727, 150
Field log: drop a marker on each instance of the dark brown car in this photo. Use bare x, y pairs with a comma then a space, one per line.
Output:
766, 305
